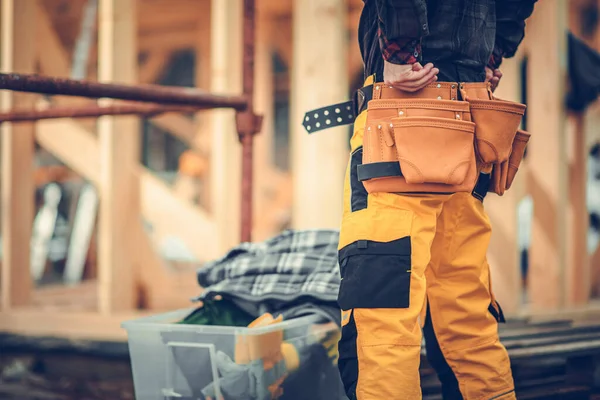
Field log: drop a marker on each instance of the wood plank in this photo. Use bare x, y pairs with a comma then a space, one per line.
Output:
119, 152
17, 55
202, 134
51, 54
64, 324
578, 273
168, 214
264, 142
319, 78
547, 180
226, 74
153, 67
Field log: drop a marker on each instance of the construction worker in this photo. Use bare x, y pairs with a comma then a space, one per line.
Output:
414, 234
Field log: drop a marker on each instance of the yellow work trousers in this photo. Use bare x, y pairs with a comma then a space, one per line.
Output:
412, 266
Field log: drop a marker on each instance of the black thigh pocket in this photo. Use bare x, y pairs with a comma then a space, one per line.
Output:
375, 274
358, 200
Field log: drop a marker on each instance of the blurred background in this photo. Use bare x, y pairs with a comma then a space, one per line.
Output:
105, 219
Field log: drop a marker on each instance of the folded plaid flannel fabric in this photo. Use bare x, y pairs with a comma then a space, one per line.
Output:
294, 273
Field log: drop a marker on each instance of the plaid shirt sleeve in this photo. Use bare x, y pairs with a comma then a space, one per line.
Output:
510, 28
401, 26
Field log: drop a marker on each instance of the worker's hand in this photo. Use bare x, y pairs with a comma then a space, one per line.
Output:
409, 77
493, 77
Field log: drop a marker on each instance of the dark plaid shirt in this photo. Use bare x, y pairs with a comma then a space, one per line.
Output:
460, 37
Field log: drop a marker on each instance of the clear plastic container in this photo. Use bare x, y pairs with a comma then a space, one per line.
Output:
175, 361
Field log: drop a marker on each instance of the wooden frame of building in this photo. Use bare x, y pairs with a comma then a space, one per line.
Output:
135, 39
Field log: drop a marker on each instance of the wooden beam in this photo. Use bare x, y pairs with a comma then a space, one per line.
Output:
503, 253
202, 135
17, 55
182, 37
283, 39
578, 273
51, 54
264, 141
547, 181
67, 325
154, 66
226, 77
167, 214
119, 153
319, 78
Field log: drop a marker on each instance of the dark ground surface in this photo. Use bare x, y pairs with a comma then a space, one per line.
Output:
58, 369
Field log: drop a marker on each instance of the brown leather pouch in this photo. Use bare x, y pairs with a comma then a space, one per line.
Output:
497, 122
420, 131
518, 151
434, 150
378, 140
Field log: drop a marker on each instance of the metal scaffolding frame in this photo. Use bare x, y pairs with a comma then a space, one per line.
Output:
154, 100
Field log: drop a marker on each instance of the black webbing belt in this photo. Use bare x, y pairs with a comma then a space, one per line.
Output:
338, 114
345, 113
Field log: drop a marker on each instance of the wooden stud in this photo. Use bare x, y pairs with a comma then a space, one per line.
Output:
578, 275
17, 55
547, 180
264, 141
226, 77
167, 213
503, 254
119, 154
319, 78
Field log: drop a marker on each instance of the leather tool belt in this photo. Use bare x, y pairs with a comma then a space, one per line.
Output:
448, 137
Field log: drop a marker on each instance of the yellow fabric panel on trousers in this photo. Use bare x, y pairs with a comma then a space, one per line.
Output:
458, 290
388, 330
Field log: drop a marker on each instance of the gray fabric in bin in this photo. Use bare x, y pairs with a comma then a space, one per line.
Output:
295, 273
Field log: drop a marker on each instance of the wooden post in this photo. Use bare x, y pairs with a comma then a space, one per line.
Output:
17, 55
202, 133
226, 77
578, 275
503, 255
547, 180
264, 142
119, 154
319, 78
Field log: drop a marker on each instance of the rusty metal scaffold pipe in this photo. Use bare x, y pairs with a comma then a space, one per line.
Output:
248, 123
90, 111
147, 93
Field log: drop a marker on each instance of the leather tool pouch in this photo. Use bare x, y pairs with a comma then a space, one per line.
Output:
516, 156
418, 145
497, 122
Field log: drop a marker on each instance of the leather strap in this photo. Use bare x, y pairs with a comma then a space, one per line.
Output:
378, 170
338, 114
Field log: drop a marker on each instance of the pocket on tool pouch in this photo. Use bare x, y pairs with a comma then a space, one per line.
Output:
499, 178
434, 150
516, 156
496, 123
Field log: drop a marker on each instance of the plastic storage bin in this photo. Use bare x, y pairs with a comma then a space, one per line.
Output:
174, 361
